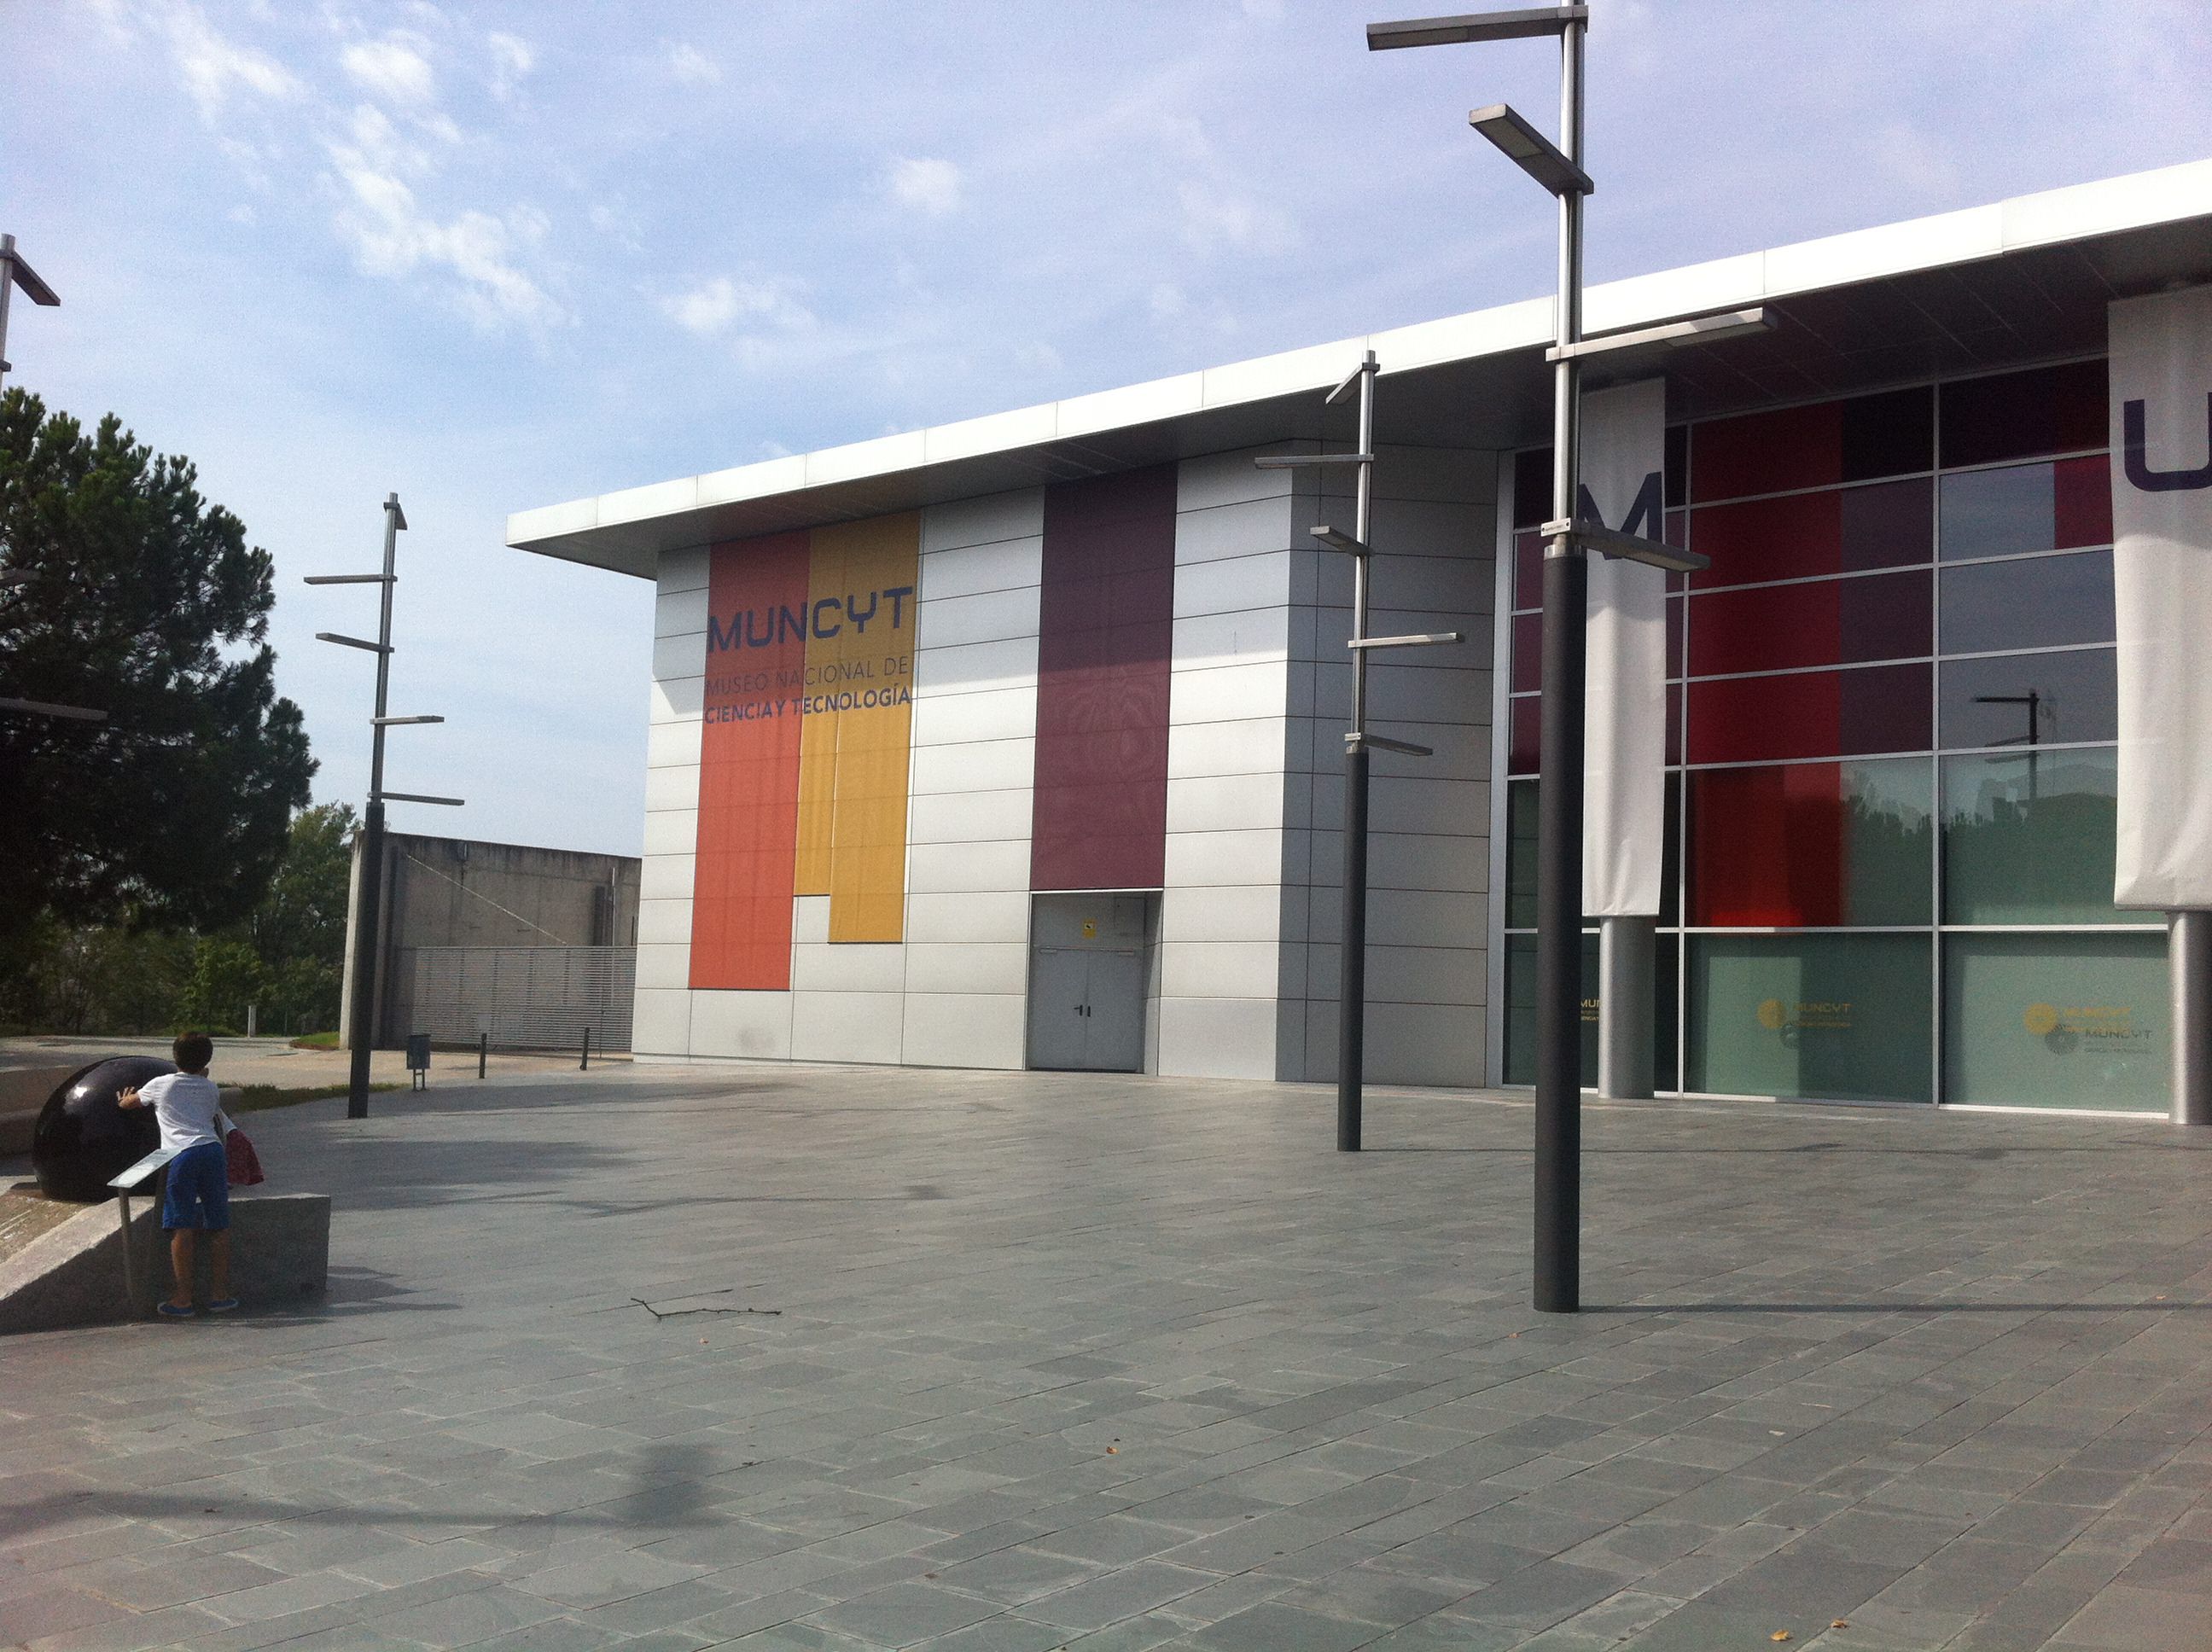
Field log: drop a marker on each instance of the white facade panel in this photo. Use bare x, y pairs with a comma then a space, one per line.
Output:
666, 878
988, 520
962, 719
963, 867
664, 921
686, 570
848, 967
1228, 693
987, 616
977, 666
680, 656
975, 570
681, 613
1233, 585
661, 1024
980, 765
1217, 1037
1249, 745
1225, 803
1245, 637
756, 1026
967, 968
1198, 858
677, 700
671, 787
664, 965
673, 744
671, 831
950, 1029
970, 817
1002, 916
862, 1027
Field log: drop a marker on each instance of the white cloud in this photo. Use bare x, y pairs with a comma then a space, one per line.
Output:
512, 60
1167, 302
392, 234
394, 68
717, 305
692, 66
213, 65
926, 185
1212, 217
1037, 358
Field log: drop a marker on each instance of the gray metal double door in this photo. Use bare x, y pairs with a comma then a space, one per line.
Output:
1087, 968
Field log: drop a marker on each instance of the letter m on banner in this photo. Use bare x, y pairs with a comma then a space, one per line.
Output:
2161, 435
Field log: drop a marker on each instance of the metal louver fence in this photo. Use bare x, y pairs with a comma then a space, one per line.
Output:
525, 996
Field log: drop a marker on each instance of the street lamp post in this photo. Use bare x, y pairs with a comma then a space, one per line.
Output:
1558, 1225
1351, 951
368, 893
15, 272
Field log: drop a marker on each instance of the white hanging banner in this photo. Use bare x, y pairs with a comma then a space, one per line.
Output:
2162, 435
1624, 466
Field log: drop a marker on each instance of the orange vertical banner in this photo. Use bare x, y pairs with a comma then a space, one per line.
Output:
859, 724
749, 759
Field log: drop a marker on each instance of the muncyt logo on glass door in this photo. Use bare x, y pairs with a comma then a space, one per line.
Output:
809, 712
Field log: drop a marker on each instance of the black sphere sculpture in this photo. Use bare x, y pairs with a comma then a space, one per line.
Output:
85, 1139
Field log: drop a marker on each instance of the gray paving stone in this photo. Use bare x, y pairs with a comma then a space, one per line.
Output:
1324, 1388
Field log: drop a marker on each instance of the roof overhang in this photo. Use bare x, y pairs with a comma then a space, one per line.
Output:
2022, 281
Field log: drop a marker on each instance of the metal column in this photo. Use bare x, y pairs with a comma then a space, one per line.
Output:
1352, 982
2190, 962
1627, 952
368, 932
1558, 1225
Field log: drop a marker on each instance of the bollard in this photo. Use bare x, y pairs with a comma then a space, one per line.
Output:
585, 1065
483, 1048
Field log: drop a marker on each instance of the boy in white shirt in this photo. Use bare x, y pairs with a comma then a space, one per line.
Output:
197, 1197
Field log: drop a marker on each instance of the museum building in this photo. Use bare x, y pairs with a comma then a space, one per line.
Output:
1018, 742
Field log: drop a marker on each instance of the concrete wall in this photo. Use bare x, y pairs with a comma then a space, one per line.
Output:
447, 891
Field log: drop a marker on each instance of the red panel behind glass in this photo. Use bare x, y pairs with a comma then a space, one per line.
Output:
1767, 452
1767, 846
1787, 539
1821, 623
1810, 714
2081, 491
1104, 627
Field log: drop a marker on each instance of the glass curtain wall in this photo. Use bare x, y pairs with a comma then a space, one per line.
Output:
1890, 792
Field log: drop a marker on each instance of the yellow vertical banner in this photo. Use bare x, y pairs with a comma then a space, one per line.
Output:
855, 738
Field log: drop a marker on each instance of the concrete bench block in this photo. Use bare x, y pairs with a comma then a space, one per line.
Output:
280, 1257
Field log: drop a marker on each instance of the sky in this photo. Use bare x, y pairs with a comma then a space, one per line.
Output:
502, 255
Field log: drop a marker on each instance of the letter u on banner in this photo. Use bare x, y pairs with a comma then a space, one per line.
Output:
2162, 436
1625, 742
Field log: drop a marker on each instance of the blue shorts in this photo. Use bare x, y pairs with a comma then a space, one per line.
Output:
198, 1191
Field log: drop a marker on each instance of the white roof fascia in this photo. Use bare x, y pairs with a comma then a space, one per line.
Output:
2138, 200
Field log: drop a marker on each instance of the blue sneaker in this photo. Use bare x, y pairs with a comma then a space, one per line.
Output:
169, 1311
228, 1304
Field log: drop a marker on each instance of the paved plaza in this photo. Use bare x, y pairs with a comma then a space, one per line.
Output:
1004, 1363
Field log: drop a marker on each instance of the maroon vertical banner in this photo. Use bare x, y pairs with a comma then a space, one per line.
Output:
1105, 635
748, 838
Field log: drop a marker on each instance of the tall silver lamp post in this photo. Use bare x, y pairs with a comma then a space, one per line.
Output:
1351, 970
369, 895
1558, 1225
